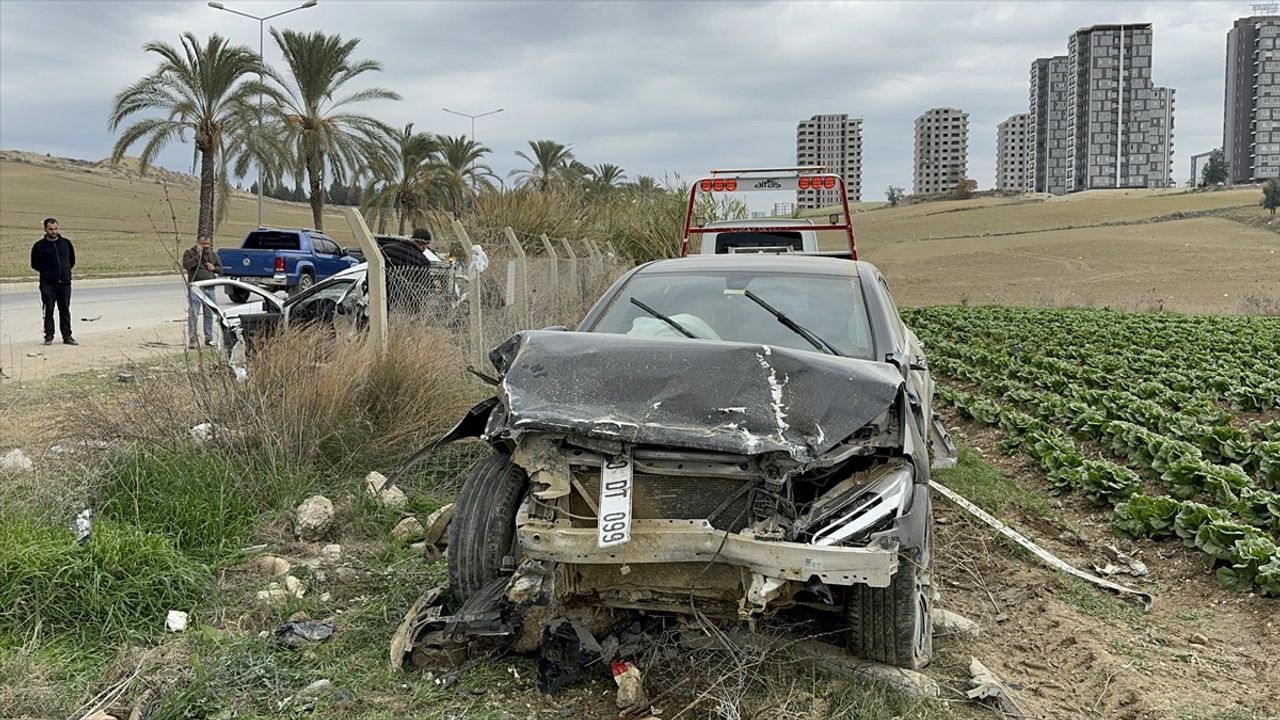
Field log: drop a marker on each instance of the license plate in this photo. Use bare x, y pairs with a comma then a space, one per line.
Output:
613, 527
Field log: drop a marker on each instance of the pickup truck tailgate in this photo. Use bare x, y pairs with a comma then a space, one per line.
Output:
248, 263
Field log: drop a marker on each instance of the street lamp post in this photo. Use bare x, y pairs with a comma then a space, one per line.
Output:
473, 135
262, 59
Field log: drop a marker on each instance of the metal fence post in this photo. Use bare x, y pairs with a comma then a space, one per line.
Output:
523, 264
375, 275
473, 295
573, 269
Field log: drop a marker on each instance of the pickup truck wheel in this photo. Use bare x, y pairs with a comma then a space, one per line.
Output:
236, 295
892, 624
482, 532
305, 281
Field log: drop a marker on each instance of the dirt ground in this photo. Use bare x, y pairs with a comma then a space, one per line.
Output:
30, 361
1075, 651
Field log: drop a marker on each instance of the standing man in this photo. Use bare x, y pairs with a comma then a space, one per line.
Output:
201, 263
54, 257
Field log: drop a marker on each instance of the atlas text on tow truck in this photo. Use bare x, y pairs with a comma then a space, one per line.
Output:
770, 234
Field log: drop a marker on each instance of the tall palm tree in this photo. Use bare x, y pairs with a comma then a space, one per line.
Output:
608, 175
459, 172
644, 185
317, 120
403, 181
548, 160
208, 91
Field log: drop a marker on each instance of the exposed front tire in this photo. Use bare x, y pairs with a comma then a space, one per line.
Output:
893, 624
482, 532
237, 296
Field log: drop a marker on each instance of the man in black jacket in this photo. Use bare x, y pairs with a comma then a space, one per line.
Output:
53, 257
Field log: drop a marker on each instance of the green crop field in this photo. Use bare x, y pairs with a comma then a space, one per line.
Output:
1143, 412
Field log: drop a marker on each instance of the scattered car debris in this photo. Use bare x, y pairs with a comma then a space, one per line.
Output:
175, 621
985, 685
297, 633
1119, 562
124, 377
16, 461
205, 434
95, 318
314, 518
630, 686
1036, 550
568, 650
82, 526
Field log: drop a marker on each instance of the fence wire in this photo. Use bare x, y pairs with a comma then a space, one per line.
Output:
495, 284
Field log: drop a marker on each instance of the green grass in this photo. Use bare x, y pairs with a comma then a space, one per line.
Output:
990, 489
205, 503
116, 587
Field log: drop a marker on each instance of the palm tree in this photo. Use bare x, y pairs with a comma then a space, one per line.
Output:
403, 181
323, 130
644, 185
459, 172
608, 175
549, 159
208, 91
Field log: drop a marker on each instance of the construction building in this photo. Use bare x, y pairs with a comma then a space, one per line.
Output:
834, 142
1013, 151
941, 150
1251, 122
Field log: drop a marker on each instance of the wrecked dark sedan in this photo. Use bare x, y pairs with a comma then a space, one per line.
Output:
727, 435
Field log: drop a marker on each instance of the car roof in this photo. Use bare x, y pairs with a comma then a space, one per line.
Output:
761, 263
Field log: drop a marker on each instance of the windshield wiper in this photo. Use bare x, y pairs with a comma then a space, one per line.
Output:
809, 335
679, 328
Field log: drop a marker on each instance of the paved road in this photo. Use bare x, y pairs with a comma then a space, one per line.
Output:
119, 305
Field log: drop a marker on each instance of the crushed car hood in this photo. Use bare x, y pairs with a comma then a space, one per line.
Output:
701, 394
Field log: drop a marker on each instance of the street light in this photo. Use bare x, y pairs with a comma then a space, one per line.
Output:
473, 135
261, 22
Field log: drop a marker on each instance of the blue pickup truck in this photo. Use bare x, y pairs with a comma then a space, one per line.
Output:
291, 260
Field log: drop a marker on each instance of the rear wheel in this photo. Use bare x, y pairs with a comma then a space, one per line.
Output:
305, 281
236, 295
892, 624
483, 529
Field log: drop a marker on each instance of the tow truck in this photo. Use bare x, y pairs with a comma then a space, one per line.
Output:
770, 234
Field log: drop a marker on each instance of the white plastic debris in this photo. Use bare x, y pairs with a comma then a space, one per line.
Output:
83, 526
175, 621
203, 434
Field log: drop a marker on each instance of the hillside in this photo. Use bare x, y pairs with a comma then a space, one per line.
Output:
121, 224
1133, 249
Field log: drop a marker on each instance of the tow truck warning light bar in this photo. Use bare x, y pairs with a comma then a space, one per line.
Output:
808, 177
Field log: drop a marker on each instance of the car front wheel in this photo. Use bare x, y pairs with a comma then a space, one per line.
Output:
483, 529
892, 624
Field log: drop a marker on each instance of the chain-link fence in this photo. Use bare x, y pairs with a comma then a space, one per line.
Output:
496, 284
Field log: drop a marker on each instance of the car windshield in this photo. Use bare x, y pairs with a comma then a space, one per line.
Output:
714, 306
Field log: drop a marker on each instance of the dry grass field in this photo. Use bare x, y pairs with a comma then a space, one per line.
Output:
121, 224
1134, 249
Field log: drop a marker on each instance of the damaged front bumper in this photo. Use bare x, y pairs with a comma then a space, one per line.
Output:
682, 541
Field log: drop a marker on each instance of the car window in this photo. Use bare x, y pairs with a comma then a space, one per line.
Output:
895, 320
271, 240
325, 245
715, 307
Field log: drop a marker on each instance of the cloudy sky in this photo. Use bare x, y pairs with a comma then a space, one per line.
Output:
656, 87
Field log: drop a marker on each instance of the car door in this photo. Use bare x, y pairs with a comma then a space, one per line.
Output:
329, 257
322, 303
233, 318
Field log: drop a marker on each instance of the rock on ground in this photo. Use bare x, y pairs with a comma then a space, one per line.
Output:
407, 529
15, 461
331, 554
377, 485
314, 518
271, 565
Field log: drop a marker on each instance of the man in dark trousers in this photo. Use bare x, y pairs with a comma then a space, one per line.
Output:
54, 257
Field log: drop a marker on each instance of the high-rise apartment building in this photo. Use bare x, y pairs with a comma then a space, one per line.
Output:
942, 149
1013, 151
1122, 129
835, 142
1251, 124
1052, 125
